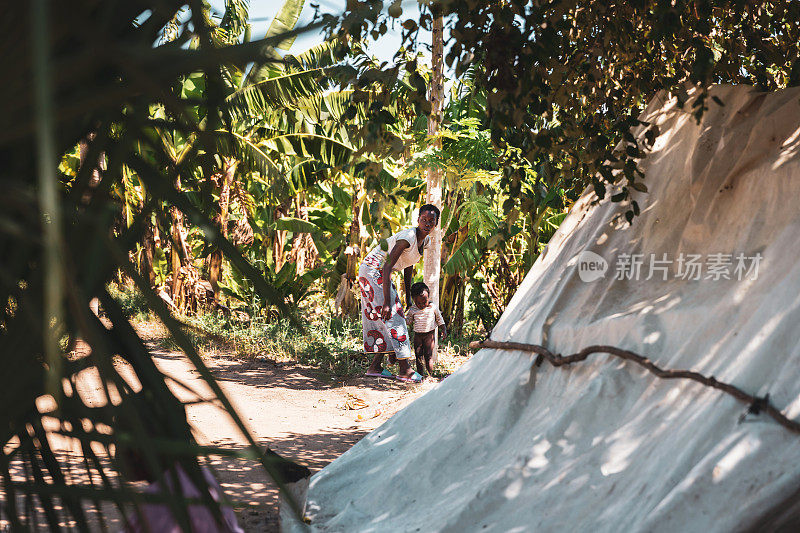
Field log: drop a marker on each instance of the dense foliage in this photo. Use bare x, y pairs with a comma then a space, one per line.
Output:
88, 74
152, 146
566, 80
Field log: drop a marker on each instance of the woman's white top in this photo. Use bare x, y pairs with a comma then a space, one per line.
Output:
410, 256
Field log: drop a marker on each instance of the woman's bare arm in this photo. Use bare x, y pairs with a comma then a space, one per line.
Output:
408, 276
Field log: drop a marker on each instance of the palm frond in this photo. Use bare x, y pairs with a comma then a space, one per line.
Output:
464, 257
285, 21
235, 19
249, 153
324, 54
110, 96
327, 150
296, 225
476, 213
276, 92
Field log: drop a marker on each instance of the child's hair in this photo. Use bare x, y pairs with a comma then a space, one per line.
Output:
431, 209
418, 288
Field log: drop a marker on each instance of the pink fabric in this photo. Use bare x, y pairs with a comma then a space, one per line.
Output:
159, 518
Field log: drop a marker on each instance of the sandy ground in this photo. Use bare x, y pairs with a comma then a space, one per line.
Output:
287, 407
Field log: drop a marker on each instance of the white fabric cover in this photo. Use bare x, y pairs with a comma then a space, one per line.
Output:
603, 445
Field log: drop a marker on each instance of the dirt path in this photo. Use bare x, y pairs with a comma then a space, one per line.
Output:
286, 408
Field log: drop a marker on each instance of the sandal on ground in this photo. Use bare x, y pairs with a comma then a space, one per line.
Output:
382, 374
415, 378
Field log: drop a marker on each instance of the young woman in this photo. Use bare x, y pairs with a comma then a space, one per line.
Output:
383, 322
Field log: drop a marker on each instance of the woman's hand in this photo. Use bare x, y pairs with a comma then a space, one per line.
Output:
384, 311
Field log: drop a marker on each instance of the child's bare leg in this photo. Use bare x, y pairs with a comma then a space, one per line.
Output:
427, 350
428, 365
420, 364
418, 352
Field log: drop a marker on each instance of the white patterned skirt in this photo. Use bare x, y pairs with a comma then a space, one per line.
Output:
380, 335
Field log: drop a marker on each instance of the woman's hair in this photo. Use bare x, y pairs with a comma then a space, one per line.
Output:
418, 288
431, 209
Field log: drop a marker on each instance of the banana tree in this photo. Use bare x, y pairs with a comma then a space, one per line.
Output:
62, 245
468, 164
319, 141
275, 132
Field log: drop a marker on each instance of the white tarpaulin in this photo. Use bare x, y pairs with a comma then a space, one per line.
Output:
602, 445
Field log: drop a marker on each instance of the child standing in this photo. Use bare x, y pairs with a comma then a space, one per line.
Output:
424, 316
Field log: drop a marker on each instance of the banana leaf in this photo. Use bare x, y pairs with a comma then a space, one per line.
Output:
61, 92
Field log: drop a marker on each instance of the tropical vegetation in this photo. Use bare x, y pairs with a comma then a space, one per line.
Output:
160, 161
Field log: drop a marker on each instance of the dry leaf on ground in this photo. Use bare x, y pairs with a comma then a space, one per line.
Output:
353, 402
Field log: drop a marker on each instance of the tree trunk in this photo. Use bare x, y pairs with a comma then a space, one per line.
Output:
83, 150
432, 262
180, 253
148, 248
278, 242
97, 171
304, 253
452, 282
433, 254
221, 221
449, 293
279, 236
458, 318
176, 260
345, 298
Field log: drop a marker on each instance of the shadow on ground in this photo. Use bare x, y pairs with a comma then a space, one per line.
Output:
254, 493
266, 373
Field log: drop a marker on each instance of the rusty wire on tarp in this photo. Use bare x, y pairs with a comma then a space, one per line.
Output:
756, 404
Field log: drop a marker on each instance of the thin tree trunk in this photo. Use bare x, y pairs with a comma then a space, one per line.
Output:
175, 259
180, 253
279, 236
221, 221
458, 318
304, 252
353, 239
449, 293
83, 150
148, 247
278, 242
452, 281
97, 171
345, 299
433, 254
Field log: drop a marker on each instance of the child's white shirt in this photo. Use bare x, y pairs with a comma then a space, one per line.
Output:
426, 319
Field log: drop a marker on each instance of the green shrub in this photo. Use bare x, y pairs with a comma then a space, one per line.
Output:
133, 303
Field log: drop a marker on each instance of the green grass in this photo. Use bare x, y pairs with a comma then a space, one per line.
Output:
133, 303
329, 344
